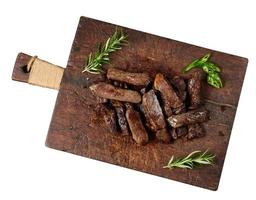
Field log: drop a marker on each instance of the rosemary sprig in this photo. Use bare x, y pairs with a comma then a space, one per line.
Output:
211, 69
191, 160
96, 60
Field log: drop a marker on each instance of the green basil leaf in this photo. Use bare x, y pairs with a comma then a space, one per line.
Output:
192, 65
210, 67
205, 58
197, 63
214, 80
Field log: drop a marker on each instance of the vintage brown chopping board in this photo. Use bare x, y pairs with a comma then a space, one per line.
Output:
78, 129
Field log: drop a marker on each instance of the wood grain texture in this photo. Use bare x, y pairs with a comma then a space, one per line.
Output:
76, 128
20, 72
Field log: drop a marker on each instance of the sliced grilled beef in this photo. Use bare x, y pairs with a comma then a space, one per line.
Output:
195, 131
191, 117
109, 91
139, 79
168, 95
120, 112
139, 133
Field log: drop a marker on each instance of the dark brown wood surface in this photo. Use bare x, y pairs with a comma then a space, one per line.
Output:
20, 72
76, 127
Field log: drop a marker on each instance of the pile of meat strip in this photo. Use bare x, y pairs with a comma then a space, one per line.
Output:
163, 109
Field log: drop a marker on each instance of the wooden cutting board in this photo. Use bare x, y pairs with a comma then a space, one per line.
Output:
76, 128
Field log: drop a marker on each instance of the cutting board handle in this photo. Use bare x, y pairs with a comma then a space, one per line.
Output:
38, 72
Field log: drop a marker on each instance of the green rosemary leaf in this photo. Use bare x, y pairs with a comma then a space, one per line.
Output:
205, 162
184, 166
191, 160
171, 160
106, 46
191, 154
96, 60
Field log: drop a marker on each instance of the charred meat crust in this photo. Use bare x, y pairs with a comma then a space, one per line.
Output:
195, 131
139, 133
180, 86
194, 89
153, 111
179, 132
154, 116
139, 79
109, 91
120, 112
100, 99
109, 116
191, 117
168, 95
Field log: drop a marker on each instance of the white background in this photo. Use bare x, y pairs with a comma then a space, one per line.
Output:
29, 170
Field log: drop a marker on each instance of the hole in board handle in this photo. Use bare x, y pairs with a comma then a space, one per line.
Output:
24, 69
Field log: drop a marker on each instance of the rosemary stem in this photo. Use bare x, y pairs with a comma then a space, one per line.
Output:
95, 62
